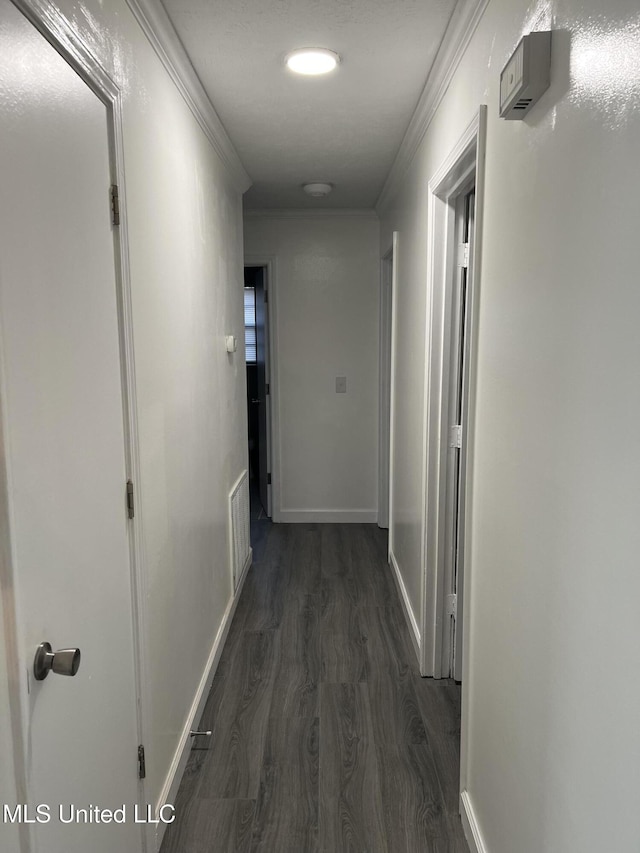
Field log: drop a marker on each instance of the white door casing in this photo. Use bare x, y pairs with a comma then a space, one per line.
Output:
384, 380
456, 173
64, 434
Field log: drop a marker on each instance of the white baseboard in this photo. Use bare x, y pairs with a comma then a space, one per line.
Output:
326, 516
181, 755
414, 630
470, 825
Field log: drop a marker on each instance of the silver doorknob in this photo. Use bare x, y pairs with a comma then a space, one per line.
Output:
255, 401
63, 662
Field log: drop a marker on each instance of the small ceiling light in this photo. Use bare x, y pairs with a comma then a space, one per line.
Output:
312, 60
317, 190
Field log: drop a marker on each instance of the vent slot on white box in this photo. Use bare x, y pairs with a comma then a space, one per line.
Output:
239, 519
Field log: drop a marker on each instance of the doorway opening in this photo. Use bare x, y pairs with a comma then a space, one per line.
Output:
256, 329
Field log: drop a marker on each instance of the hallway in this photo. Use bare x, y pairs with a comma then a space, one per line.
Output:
325, 737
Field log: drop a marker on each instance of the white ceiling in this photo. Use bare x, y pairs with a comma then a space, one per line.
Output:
344, 128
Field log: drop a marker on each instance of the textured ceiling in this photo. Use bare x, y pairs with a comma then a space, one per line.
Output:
344, 128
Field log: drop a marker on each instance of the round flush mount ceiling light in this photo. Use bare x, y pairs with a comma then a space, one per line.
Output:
317, 190
312, 60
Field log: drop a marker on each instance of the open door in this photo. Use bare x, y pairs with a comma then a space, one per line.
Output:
65, 567
458, 401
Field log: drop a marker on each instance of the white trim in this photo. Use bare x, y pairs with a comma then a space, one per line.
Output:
270, 263
384, 386
328, 516
309, 213
160, 32
130, 401
474, 314
409, 615
392, 389
458, 167
462, 26
453, 171
181, 755
59, 32
470, 825
136, 539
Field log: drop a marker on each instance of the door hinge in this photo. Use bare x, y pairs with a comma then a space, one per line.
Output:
266, 389
452, 605
268, 479
142, 767
455, 438
463, 255
115, 205
266, 296
130, 500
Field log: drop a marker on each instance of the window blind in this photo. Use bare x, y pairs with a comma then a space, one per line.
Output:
250, 324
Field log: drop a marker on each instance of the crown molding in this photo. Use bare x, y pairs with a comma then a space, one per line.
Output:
306, 213
464, 21
160, 32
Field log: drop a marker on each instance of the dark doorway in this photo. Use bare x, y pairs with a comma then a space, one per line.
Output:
258, 392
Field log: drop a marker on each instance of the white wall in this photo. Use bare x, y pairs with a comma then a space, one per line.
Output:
185, 229
553, 696
326, 301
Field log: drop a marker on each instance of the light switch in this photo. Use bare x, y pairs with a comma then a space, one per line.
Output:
341, 384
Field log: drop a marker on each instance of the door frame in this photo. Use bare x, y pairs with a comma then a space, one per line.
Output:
60, 34
392, 394
384, 384
269, 265
455, 371
465, 160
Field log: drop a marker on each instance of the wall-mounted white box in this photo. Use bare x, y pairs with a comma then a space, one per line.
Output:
526, 75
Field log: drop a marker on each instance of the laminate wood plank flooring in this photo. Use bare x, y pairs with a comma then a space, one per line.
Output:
351, 809
287, 814
210, 825
325, 737
439, 703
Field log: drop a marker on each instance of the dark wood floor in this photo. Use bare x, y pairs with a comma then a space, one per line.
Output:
325, 738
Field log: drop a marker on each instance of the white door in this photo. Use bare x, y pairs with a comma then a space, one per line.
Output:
458, 411
63, 435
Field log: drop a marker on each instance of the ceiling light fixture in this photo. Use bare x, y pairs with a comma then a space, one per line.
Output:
312, 60
317, 190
